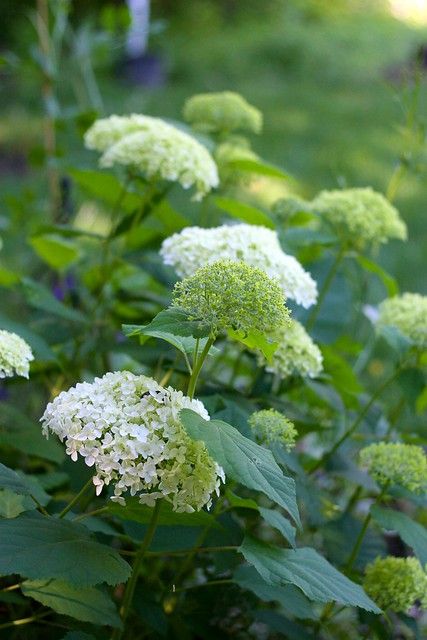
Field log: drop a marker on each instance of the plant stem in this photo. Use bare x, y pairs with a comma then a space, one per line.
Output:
76, 498
130, 586
95, 512
325, 288
357, 421
198, 366
21, 621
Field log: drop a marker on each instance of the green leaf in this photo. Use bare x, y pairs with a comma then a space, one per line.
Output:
243, 460
39, 297
167, 516
372, 267
255, 340
292, 600
57, 252
395, 339
174, 321
278, 521
12, 504
306, 569
240, 503
10, 480
88, 604
412, 533
185, 344
244, 212
259, 167
106, 187
40, 547
40, 347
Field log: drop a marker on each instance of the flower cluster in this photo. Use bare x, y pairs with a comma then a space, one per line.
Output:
222, 112
408, 313
271, 426
257, 246
396, 583
232, 295
296, 353
15, 355
154, 147
360, 216
128, 428
396, 463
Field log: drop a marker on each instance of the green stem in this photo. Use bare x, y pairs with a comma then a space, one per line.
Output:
198, 366
395, 180
22, 621
76, 498
325, 288
95, 512
357, 421
139, 557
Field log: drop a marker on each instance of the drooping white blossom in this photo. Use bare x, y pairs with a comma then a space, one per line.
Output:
15, 355
128, 428
155, 148
258, 246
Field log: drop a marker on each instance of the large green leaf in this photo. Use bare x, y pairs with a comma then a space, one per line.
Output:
413, 533
255, 340
243, 460
244, 212
185, 344
174, 321
372, 267
278, 521
106, 187
40, 547
291, 598
259, 167
9, 479
88, 604
167, 516
12, 504
306, 569
57, 252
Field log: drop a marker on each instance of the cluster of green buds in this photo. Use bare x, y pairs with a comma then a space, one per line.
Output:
270, 427
396, 583
394, 463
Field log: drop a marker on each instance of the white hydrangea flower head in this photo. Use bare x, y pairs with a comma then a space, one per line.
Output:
408, 313
257, 246
296, 353
127, 427
156, 148
15, 355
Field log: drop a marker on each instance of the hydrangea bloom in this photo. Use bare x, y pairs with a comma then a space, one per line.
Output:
232, 295
271, 426
360, 216
408, 313
396, 463
396, 583
222, 112
15, 355
296, 353
154, 147
258, 246
128, 428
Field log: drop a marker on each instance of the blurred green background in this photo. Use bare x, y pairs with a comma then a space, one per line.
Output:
341, 84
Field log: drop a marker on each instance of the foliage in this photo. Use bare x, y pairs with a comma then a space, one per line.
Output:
99, 545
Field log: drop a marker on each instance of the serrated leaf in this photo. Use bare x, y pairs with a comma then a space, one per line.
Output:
412, 533
306, 569
88, 604
255, 340
243, 460
245, 212
39, 297
185, 344
167, 516
40, 547
175, 321
278, 521
290, 597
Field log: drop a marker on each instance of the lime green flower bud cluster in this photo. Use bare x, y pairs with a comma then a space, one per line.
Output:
296, 353
408, 313
360, 216
222, 112
271, 426
233, 295
396, 583
396, 463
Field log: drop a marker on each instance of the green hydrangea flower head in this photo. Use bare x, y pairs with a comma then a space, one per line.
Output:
271, 426
296, 353
408, 313
396, 463
360, 216
396, 583
233, 295
225, 111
